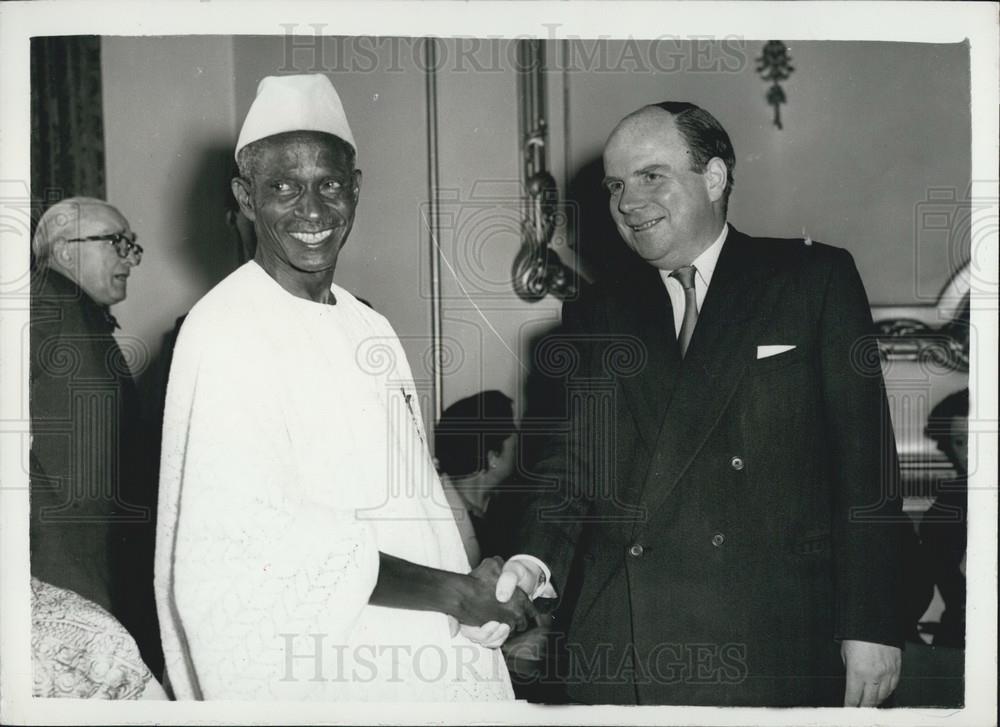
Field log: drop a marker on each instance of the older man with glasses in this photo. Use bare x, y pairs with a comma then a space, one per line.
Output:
91, 520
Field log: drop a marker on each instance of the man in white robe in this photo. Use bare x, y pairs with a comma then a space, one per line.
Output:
305, 549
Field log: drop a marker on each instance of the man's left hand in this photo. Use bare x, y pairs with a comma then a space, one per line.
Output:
517, 574
492, 635
872, 672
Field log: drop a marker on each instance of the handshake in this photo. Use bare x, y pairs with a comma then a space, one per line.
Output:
494, 600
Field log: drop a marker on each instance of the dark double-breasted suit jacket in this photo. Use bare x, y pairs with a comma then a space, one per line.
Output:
731, 517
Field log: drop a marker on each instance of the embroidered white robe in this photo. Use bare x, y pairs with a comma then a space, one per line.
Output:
293, 452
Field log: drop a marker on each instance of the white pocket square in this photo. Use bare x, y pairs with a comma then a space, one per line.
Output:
768, 351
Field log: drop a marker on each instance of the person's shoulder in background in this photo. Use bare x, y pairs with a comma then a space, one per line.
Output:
79, 650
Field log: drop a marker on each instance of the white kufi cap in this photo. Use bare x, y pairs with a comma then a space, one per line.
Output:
295, 103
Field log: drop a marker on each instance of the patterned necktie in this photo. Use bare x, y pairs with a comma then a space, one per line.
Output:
685, 276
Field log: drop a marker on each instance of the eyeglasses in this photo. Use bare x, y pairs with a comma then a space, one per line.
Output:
124, 244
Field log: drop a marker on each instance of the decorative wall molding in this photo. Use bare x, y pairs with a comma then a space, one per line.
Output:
907, 339
903, 338
537, 269
430, 49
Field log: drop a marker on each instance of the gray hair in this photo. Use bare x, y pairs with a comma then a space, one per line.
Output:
246, 158
60, 220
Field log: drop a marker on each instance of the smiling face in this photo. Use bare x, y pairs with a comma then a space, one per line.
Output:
94, 264
301, 200
666, 212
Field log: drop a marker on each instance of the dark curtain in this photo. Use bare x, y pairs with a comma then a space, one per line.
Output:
67, 124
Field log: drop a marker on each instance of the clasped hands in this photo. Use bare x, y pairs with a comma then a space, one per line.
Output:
497, 596
494, 601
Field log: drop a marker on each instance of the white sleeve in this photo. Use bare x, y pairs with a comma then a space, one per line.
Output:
242, 562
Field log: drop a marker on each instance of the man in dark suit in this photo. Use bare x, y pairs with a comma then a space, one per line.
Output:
727, 486
91, 527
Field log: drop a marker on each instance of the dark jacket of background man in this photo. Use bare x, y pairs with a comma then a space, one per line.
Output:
91, 522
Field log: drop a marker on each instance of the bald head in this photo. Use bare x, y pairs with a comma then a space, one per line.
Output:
62, 221
60, 243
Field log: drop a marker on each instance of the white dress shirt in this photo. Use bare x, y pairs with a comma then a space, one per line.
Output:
705, 266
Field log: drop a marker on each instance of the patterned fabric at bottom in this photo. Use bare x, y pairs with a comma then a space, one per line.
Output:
79, 650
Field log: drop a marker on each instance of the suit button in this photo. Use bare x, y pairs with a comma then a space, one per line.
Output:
736, 463
718, 539
636, 551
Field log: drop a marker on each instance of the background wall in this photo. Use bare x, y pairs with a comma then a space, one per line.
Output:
870, 130
487, 327
169, 125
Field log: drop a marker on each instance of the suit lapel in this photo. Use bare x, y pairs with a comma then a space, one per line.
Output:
644, 311
717, 359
